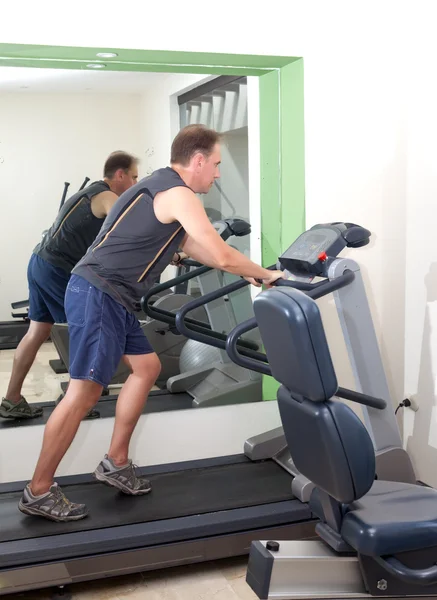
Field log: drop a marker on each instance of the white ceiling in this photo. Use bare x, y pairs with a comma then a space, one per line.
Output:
31, 80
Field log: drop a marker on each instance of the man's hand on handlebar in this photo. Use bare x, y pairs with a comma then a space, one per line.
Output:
267, 281
177, 258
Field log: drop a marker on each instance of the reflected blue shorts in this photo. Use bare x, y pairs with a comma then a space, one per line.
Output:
47, 285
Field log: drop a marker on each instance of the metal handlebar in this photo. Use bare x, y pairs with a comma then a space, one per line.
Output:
214, 338
196, 327
321, 288
165, 315
360, 398
189, 262
259, 365
315, 291
246, 361
255, 365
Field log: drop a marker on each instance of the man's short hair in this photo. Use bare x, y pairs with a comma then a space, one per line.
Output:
190, 140
118, 160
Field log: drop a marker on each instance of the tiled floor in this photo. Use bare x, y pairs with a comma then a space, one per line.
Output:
222, 580
42, 384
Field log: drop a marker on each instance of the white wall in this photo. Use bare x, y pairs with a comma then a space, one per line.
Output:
359, 59
421, 269
159, 121
46, 140
355, 171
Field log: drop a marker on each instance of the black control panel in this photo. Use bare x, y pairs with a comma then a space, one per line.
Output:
309, 253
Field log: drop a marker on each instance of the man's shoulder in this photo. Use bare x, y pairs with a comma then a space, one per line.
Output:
109, 194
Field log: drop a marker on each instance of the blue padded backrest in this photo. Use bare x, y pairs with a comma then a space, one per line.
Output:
329, 445
295, 343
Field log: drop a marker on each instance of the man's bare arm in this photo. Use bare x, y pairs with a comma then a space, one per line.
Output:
203, 243
102, 203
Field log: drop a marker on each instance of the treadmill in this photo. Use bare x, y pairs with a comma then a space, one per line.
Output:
199, 510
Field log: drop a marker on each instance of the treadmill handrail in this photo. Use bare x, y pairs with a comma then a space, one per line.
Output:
360, 398
189, 262
199, 327
321, 288
258, 365
245, 361
329, 286
214, 338
157, 313
315, 291
248, 363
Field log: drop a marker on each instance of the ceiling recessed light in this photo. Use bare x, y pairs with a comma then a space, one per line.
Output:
96, 66
106, 54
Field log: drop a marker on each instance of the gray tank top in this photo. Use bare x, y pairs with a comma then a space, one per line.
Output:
133, 247
74, 230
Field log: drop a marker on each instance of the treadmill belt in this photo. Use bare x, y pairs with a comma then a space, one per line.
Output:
176, 494
157, 402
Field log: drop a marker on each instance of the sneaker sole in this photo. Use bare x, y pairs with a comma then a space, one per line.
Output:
112, 483
35, 512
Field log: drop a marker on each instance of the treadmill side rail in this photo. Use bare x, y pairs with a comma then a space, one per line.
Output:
96, 566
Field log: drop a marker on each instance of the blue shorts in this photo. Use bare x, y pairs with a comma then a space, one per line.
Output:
101, 332
47, 285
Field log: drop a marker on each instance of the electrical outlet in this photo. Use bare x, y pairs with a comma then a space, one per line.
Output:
414, 404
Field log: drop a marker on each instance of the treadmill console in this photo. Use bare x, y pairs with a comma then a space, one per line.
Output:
309, 253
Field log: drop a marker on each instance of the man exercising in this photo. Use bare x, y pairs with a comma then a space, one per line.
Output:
145, 227
74, 230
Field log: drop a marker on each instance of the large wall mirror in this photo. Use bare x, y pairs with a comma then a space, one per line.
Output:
58, 124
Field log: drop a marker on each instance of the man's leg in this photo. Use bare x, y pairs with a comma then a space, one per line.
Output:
130, 403
47, 285
97, 338
46, 289
42, 497
116, 469
61, 429
25, 356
